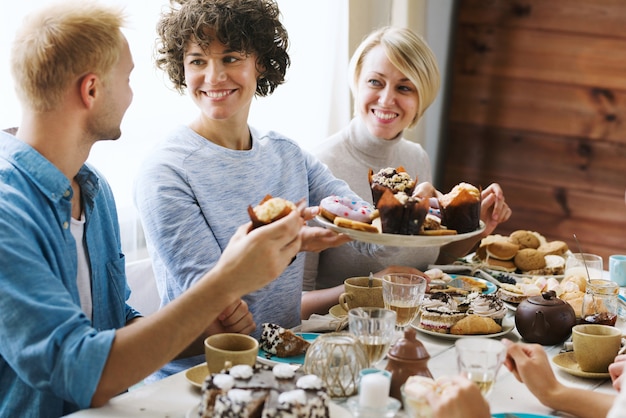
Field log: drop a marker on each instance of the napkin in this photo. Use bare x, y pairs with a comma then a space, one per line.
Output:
323, 323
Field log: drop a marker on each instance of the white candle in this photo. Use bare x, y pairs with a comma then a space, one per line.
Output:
374, 390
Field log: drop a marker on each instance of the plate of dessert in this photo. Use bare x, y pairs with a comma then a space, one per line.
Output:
260, 390
522, 254
280, 345
567, 362
482, 331
403, 215
398, 240
477, 314
335, 410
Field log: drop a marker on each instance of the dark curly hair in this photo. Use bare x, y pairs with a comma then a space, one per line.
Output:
247, 26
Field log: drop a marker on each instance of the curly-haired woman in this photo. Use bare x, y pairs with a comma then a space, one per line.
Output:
194, 190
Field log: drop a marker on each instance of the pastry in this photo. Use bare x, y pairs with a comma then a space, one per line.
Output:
553, 247
475, 325
401, 213
511, 293
489, 306
524, 239
529, 259
270, 209
555, 265
356, 225
393, 179
501, 265
460, 208
344, 207
439, 319
502, 250
281, 341
244, 391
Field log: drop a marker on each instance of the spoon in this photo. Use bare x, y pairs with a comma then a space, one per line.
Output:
370, 282
582, 255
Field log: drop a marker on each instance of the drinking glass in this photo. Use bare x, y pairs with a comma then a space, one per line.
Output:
578, 264
479, 360
375, 328
403, 294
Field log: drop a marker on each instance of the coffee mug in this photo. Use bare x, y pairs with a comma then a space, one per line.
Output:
223, 351
357, 293
595, 346
617, 269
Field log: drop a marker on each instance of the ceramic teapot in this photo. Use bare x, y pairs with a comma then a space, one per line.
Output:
545, 319
407, 357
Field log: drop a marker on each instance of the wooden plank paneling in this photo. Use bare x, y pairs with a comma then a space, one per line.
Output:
597, 167
555, 57
597, 17
549, 108
538, 105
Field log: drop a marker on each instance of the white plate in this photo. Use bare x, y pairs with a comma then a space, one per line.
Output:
507, 327
336, 411
270, 359
397, 240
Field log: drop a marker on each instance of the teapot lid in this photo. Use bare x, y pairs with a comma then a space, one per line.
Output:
409, 347
546, 299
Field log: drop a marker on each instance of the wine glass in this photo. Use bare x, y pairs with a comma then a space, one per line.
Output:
375, 328
479, 360
403, 294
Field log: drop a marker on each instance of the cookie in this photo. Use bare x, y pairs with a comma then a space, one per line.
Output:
481, 252
501, 265
524, 239
554, 247
529, 259
502, 250
356, 225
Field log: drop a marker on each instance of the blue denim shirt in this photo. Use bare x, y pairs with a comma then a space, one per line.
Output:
51, 354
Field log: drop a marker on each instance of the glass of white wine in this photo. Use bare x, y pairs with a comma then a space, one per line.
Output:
479, 360
403, 294
375, 328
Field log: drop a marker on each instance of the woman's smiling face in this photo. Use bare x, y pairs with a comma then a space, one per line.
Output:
221, 82
386, 100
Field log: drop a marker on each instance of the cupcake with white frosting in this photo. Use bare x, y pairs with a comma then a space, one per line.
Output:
490, 306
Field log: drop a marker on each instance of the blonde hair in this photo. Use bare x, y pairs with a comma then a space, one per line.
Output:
410, 54
61, 42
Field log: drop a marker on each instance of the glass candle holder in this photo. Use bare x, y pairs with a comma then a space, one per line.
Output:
337, 358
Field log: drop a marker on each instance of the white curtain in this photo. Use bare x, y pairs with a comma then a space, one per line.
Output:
313, 103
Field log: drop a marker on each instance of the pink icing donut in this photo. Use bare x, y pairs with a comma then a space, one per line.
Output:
347, 208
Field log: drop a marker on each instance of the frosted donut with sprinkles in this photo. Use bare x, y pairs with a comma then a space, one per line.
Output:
345, 207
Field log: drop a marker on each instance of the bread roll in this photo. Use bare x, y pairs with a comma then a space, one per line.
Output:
474, 325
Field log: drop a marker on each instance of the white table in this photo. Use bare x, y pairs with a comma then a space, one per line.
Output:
173, 397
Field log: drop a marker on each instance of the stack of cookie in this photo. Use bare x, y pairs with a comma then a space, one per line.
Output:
523, 251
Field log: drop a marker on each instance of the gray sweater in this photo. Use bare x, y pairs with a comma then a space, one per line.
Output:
349, 154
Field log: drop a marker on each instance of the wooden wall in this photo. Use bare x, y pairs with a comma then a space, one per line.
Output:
538, 105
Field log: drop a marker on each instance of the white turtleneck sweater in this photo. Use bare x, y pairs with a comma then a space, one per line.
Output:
349, 154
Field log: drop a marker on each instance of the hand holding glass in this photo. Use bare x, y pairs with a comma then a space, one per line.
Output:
375, 328
479, 360
403, 294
